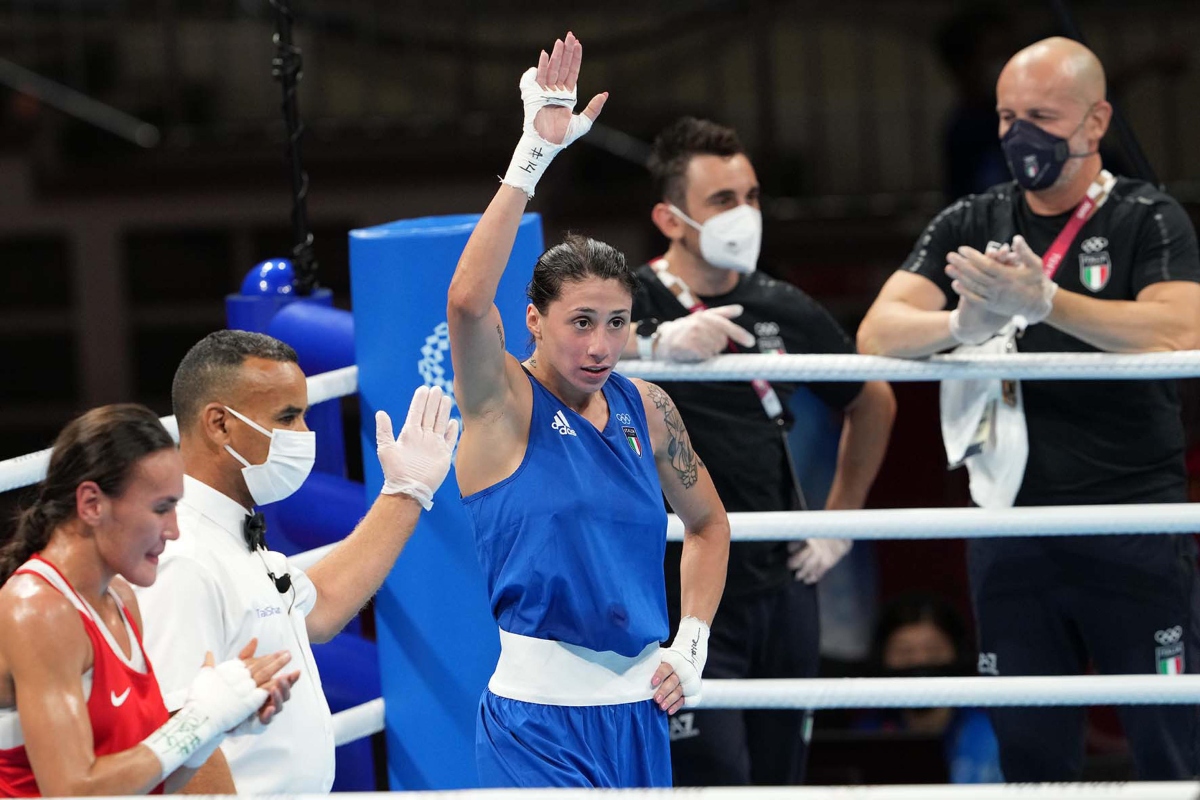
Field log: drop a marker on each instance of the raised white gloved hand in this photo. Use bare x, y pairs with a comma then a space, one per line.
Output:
417, 462
700, 335
218, 699
548, 94
687, 655
1008, 283
812, 558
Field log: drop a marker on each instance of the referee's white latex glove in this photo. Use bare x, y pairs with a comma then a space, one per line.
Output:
417, 462
700, 335
811, 559
680, 687
219, 698
548, 94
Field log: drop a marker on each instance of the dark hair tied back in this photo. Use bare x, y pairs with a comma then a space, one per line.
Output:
104, 445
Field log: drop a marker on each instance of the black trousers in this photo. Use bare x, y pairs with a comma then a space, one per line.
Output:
1126, 603
771, 634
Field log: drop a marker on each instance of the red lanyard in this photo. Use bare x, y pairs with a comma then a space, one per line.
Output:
1097, 193
766, 393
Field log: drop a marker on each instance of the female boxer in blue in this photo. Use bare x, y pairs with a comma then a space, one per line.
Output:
563, 465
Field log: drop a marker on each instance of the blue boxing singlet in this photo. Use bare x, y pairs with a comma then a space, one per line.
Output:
572, 543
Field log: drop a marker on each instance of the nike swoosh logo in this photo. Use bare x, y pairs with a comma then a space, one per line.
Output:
118, 700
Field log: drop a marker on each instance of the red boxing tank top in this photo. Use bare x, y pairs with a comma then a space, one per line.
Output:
125, 704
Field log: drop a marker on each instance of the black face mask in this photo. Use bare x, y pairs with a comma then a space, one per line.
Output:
1035, 157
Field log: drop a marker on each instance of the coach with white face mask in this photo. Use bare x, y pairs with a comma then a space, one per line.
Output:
240, 400
700, 298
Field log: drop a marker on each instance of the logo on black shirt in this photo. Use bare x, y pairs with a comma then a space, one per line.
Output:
1095, 266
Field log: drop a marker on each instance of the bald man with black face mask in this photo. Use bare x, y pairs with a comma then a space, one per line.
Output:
1067, 257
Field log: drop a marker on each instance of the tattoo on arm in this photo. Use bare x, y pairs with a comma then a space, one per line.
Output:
500, 331
679, 447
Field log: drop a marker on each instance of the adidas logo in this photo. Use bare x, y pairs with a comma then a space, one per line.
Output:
561, 425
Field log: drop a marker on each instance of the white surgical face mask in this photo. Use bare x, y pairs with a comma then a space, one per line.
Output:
288, 463
731, 239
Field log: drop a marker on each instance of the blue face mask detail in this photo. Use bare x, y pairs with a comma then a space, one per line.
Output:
1035, 157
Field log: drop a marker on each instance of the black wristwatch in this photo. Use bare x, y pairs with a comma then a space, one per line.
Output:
647, 336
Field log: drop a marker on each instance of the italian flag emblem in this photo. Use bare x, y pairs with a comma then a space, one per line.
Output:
632, 437
1095, 277
1171, 666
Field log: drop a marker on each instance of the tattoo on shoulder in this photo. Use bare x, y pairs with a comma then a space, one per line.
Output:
533, 361
500, 332
679, 447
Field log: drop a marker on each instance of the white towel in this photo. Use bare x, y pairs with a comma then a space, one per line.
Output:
982, 428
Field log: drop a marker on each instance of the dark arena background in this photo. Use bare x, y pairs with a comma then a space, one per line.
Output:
145, 169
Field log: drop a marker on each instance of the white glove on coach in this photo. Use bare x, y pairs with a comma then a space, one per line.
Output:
700, 335
814, 557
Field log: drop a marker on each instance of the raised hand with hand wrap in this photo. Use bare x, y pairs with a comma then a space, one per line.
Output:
700, 335
548, 94
418, 460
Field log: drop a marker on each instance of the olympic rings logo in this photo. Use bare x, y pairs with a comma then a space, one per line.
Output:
1169, 636
1094, 244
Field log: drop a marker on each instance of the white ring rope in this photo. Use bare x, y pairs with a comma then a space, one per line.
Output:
1159, 790
821, 693
1025, 366
1056, 690
358, 722
957, 523
30, 468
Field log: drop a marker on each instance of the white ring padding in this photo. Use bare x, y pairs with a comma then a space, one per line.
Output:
957, 523
1162, 790
329, 385
30, 468
1057, 690
358, 722
1025, 366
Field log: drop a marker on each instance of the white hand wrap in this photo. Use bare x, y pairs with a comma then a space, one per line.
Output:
416, 463
687, 655
219, 698
533, 153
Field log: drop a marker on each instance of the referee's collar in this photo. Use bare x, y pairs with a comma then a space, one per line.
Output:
220, 509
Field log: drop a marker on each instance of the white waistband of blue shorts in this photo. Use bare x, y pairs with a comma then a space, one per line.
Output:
559, 674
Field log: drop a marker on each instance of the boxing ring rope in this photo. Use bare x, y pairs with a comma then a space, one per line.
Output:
30, 468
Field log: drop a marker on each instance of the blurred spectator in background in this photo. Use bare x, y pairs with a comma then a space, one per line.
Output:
921, 635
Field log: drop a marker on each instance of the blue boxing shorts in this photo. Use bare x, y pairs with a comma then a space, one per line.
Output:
621, 746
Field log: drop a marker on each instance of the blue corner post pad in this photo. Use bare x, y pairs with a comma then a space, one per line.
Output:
399, 277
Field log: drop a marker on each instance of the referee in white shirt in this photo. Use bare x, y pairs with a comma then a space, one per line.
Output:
240, 399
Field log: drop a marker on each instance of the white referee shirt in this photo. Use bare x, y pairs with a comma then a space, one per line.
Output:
213, 594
